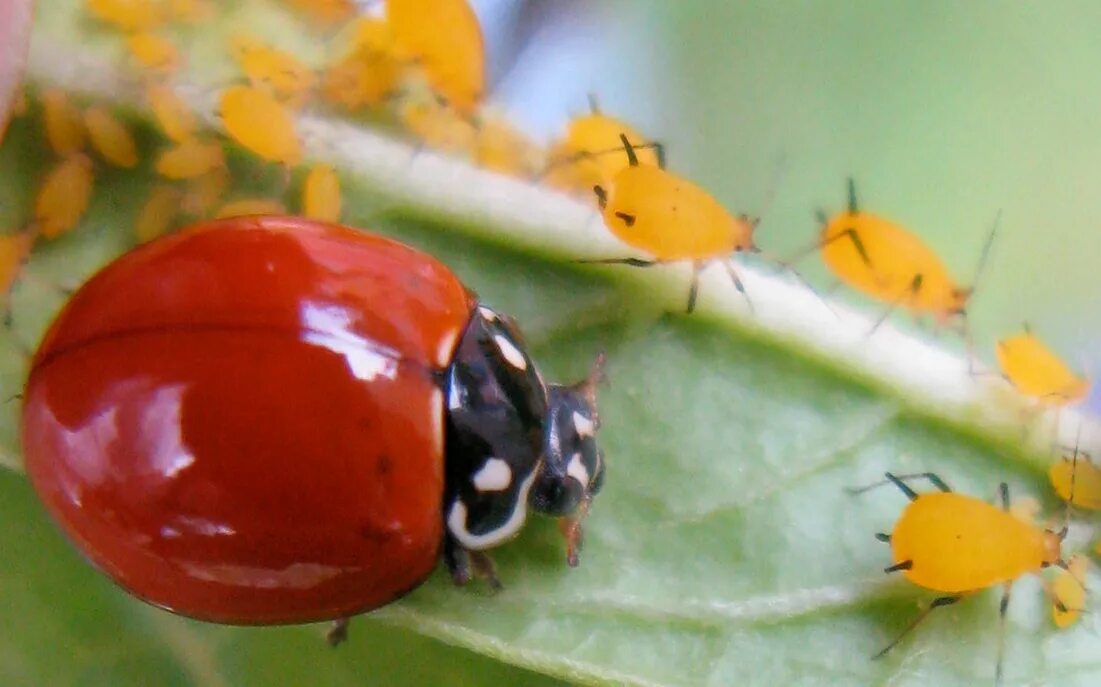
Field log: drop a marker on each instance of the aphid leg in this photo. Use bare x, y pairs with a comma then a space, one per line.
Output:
853, 207
900, 482
733, 274
915, 286
1003, 493
903, 565
632, 262
693, 288
1003, 607
585, 155
937, 603
883, 537
338, 631
601, 196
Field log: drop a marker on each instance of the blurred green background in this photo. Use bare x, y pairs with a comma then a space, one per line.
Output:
944, 112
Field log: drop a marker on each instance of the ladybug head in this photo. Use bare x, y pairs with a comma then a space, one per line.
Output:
573, 466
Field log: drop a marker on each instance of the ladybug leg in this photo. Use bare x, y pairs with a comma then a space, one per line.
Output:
457, 560
338, 631
486, 569
464, 564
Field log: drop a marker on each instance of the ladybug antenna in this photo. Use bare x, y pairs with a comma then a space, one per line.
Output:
632, 159
596, 377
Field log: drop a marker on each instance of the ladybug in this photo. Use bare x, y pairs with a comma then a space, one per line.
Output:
271, 420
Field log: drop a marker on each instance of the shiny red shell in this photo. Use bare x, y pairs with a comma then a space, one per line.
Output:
241, 422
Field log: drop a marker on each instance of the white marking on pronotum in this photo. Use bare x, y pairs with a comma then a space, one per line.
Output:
456, 521
577, 470
583, 424
494, 475
511, 353
487, 314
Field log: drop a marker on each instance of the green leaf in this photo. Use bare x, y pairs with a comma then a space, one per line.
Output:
724, 548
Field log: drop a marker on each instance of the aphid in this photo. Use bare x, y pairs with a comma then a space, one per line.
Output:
153, 51
14, 249
673, 220
250, 206
1081, 476
321, 194
438, 127
590, 154
205, 192
449, 47
369, 72
63, 123
301, 420
158, 213
128, 15
286, 76
63, 197
257, 121
1036, 371
174, 117
192, 158
889, 263
500, 147
956, 544
110, 137
1068, 591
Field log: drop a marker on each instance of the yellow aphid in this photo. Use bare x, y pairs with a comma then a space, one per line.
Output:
128, 15
174, 117
110, 137
321, 194
157, 214
1068, 591
14, 249
590, 154
250, 206
257, 121
502, 148
438, 126
191, 158
63, 197
325, 13
1086, 479
153, 51
280, 71
63, 123
448, 46
1036, 371
956, 545
372, 34
673, 220
363, 79
205, 192
190, 11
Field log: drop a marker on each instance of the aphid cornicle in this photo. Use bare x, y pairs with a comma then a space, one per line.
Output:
673, 220
956, 544
887, 262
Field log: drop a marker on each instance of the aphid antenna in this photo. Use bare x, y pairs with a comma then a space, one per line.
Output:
656, 146
594, 106
984, 256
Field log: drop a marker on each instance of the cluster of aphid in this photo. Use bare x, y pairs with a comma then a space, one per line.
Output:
382, 60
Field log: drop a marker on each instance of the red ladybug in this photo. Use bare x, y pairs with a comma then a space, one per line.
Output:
276, 420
